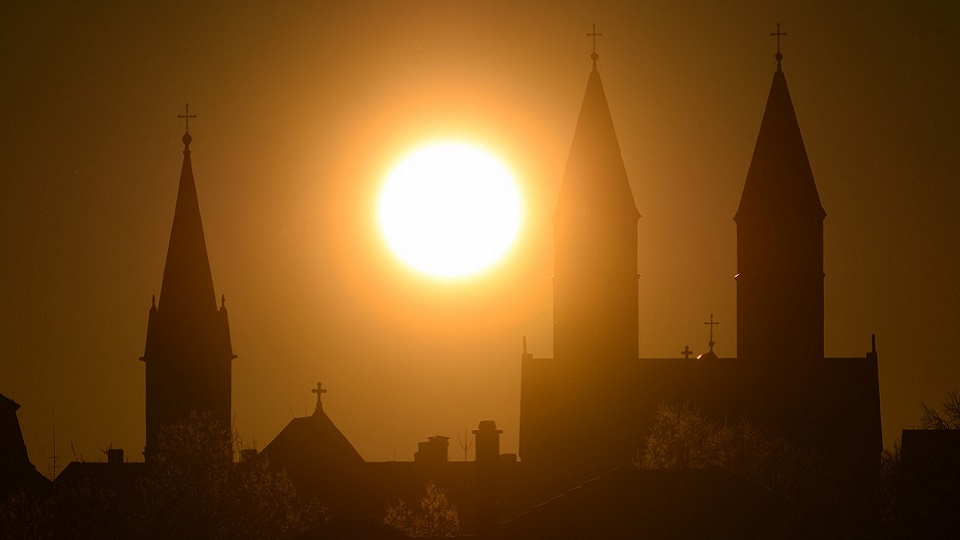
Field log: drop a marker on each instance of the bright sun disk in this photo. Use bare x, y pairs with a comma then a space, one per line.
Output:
450, 209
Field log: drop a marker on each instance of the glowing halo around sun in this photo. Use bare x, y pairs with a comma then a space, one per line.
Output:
450, 209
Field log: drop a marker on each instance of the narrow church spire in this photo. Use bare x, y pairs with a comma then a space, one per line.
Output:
187, 282
187, 353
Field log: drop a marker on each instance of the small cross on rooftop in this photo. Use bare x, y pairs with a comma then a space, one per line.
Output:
319, 391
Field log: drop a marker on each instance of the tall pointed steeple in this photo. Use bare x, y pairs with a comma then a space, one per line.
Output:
188, 353
780, 241
187, 285
595, 242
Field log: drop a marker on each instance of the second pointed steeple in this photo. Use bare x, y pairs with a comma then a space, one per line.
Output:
595, 243
780, 241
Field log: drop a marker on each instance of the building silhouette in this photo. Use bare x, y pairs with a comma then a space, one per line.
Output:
187, 353
16, 472
584, 414
586, 411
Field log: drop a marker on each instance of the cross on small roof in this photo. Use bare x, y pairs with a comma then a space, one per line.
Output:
319, 391
712, 323
778, 56
686, 352
594, 35
187, 116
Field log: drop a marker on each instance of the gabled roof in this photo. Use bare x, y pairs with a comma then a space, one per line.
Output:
321, 462
312, 439
595, 179
779, 181
187, 282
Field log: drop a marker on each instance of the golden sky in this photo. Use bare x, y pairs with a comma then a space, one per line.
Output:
302, 108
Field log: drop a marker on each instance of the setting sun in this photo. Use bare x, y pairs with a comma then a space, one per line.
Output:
450, 209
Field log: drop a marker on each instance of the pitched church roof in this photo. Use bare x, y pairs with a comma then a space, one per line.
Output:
312, 446
320, 460
187, 286
595, 178
779, 180
314, 441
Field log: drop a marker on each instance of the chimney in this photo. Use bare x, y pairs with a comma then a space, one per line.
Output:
488, 477
114, 456
433, 450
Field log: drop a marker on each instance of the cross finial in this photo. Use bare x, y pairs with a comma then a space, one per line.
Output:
778, 56
712, 324
187, 116
594, 35
686, 352
319, 391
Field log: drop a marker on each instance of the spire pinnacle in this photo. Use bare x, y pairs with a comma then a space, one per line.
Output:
186, 135
593, 34
779, 55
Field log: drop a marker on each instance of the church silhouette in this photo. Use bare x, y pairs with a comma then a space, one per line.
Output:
585, 412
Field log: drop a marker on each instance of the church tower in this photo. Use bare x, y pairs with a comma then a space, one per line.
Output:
595, 318
573, 421
188, 353
780, 241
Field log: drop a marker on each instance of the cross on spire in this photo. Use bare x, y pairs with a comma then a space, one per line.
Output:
712, 324
778, 56
686, 352
187, 116
594, 35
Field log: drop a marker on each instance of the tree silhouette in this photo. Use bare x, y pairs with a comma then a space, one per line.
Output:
682, 438
437, 515
930, 418
194, 490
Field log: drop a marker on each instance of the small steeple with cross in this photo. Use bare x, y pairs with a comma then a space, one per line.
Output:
779, 55
319, 391
686, 352
712, 323
593, 34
